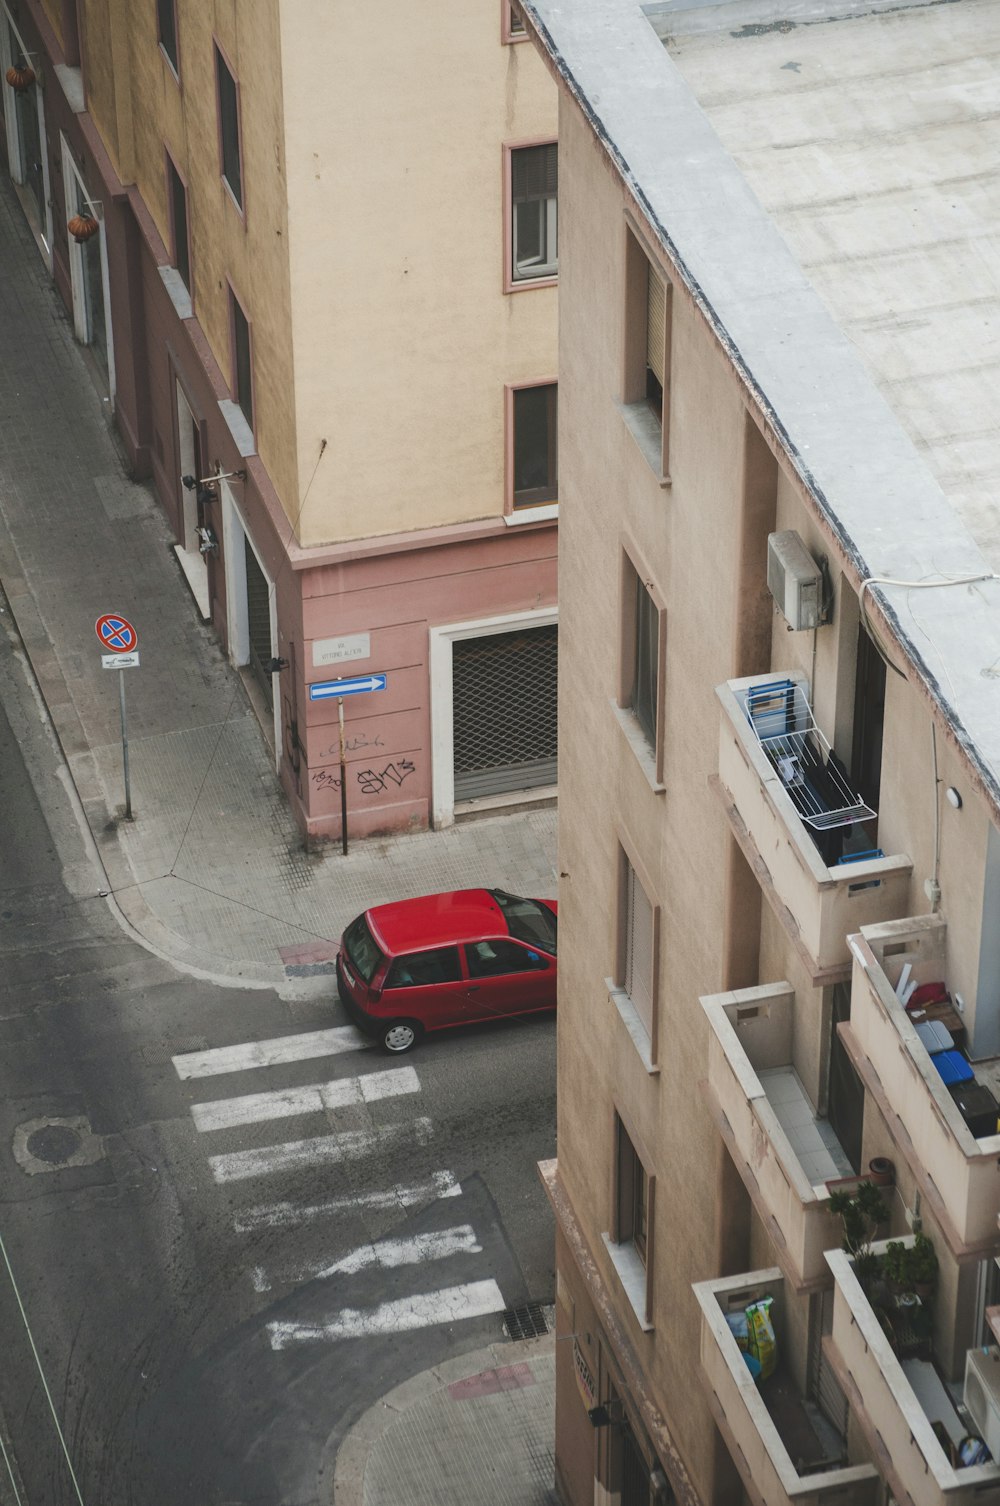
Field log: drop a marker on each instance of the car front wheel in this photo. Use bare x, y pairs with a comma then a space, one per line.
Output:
399, 1036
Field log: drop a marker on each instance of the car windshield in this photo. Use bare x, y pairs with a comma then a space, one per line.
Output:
361, 949
528, 920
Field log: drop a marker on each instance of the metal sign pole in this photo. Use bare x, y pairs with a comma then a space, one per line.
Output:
343, 777
128, 785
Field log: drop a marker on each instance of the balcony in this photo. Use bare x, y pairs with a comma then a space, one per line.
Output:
903, 1407
958, 1172
769, 1424
785, 1153
803, 831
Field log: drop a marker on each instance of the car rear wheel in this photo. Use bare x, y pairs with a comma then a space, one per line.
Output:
399, 1036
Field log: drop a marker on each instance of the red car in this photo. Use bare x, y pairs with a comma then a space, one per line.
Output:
445, 960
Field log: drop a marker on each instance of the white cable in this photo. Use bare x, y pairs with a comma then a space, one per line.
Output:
10, 1472
912, 585
41, 1372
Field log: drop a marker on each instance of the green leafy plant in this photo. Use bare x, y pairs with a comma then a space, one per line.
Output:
923, 1263
860, 1214
896, 1265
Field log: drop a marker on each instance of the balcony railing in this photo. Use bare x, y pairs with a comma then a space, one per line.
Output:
762, 1421
785, 1156
785, 793
960, 1172
901, 1430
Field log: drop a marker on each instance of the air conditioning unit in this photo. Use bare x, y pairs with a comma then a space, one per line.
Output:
982, 1395
794, 580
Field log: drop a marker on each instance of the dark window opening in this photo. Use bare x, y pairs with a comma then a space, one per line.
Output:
229, 128
536, 458
179, 219
242, 360
646, 666
633, 1196
534, 193
166, 17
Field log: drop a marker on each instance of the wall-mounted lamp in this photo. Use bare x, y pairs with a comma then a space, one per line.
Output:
953, 797
208, 543
278, 664
204, 489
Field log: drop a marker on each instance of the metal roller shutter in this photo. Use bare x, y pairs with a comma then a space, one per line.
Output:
504, 708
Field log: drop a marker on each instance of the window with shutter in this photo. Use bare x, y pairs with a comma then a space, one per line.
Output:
656, 325
633, 1196
638, 969
534, 201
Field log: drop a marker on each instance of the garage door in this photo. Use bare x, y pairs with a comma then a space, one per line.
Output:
504, 705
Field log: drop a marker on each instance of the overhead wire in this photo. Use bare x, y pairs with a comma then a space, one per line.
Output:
910, 585
41, 1373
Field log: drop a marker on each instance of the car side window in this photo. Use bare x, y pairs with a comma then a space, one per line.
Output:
419, 969
491, 959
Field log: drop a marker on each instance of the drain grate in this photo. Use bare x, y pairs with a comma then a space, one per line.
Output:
529, 1322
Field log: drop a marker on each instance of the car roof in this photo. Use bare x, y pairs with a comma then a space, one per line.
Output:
411, 925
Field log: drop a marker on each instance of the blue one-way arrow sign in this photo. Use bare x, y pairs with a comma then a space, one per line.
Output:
326, 690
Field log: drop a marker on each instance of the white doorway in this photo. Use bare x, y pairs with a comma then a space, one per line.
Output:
497, 743
189, 463
252, 613
88, 267
27, 145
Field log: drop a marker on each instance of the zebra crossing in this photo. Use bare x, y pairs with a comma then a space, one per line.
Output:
354, 1303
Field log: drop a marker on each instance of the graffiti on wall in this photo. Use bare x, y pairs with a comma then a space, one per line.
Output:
372, 781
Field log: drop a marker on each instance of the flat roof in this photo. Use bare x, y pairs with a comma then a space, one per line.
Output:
824, 177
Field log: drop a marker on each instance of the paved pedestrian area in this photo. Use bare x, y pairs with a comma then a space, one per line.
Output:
477, 1431
212, 871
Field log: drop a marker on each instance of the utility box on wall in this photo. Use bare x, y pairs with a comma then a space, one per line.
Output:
794, 580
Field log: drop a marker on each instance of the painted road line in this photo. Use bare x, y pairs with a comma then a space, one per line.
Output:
323, 1150
281, 1215
254, 1108
389, 1253
474, 1299
284, 1048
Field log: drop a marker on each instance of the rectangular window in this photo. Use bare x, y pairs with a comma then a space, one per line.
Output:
632, 1196
242, 361
229, 128
512, 24
166, 18
534, 212
648, 313
637, 962
534, 446
179, 223
646, 662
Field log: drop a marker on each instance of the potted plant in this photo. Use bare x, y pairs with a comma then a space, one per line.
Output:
896, 1266
860, 1214
923, 1267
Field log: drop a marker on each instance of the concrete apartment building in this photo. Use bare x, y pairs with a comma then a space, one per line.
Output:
779, 750
321, 269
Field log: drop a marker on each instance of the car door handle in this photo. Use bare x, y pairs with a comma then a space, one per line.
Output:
473, 988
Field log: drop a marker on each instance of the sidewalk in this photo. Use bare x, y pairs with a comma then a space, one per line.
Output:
212, 872
477, 1431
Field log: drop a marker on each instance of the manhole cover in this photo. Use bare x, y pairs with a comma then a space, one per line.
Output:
54, 1144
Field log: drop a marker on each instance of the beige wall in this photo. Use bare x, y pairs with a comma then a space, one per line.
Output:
142, 112
403, 338
686, 541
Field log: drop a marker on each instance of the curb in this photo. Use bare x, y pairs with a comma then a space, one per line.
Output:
361, 1441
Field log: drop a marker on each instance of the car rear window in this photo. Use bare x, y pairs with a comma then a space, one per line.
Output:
361, 950
528, 920
420, 968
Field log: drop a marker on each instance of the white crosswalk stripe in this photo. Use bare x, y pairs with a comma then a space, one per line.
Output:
473, 1299
350, 1145
382, 1144
254, 1108
276, 1215
283, 1048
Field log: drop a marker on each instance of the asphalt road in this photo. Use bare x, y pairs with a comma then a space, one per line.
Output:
174, 1267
